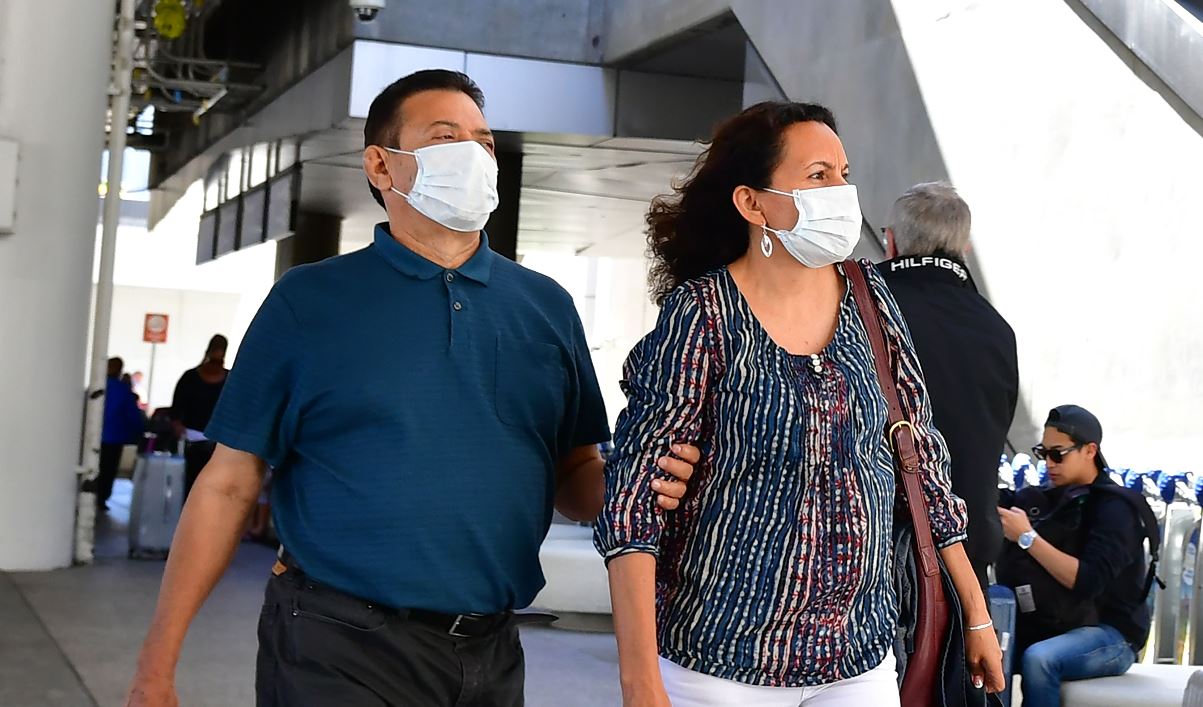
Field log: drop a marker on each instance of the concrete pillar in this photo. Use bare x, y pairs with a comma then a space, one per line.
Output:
316, 238
52, 104
503, 224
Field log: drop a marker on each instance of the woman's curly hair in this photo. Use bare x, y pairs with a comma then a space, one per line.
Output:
697, 228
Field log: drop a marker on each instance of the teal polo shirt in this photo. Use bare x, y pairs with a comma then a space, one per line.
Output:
414, 416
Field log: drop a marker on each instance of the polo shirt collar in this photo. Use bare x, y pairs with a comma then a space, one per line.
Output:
479, 267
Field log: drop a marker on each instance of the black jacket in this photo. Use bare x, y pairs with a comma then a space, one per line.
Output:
967, 351
1112, 567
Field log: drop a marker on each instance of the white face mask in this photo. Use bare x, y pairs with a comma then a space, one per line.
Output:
456, 184
828, 228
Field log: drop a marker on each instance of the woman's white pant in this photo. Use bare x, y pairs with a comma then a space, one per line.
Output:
686, 688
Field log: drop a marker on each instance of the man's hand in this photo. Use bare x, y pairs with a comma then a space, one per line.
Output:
1014, 522
148, 691
680, 465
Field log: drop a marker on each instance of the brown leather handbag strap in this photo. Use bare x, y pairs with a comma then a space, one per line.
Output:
900, 434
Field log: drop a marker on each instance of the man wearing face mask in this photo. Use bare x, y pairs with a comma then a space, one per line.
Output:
966, 348
411, 496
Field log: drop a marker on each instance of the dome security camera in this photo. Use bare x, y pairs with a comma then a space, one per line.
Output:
366, 10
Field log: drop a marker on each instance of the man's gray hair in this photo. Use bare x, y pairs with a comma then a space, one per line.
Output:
930, 218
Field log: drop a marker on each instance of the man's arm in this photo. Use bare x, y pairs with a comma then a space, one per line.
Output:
580, 484
1062, 567
204, 544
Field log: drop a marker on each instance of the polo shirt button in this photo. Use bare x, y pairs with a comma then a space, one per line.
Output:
450, 276
457, 306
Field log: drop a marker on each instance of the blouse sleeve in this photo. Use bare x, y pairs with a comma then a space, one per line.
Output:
946, 511
664, 379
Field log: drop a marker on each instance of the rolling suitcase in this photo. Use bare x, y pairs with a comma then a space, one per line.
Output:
1002, 613
157, 501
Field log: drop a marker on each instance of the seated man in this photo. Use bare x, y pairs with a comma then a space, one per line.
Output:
1082, 608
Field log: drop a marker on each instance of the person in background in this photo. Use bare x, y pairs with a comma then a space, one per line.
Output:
966, 349
1110, 570
123, 424
192, 406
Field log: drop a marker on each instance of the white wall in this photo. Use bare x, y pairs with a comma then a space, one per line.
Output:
616, 311
195, 317
1088, 218
52, 102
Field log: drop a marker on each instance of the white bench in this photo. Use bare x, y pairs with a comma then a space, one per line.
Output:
1142, 686
576, 575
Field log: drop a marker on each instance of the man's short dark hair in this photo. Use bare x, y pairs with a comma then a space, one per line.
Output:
384, 117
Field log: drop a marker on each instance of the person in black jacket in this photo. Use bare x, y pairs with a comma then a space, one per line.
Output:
1109, 571
966, 349
192, 406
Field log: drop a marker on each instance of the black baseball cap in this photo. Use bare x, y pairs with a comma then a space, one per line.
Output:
1081, 425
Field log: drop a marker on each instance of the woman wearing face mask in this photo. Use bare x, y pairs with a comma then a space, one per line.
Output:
771, 584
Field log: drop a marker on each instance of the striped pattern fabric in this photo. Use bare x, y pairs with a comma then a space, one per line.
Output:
775, 571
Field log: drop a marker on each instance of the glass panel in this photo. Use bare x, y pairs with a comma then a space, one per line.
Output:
288, 154
259, 173
212, 192
233, 174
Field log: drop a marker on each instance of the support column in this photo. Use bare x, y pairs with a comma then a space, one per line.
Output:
316, 238
503, 224
53, 108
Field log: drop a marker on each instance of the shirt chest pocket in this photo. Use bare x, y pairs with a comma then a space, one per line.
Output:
531, 385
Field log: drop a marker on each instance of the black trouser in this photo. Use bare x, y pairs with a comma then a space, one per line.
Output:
196, 456
320, 647
110, 462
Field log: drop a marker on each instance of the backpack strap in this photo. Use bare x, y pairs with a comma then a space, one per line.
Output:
1148, 521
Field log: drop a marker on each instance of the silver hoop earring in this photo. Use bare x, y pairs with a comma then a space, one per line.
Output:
766, 243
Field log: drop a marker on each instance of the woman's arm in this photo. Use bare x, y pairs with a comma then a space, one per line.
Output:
633, 596
946, 511
982, 652
665, 379
973, 604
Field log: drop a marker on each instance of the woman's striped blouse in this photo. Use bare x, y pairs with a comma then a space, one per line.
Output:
776, 569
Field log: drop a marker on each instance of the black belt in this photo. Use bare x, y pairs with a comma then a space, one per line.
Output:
456, 625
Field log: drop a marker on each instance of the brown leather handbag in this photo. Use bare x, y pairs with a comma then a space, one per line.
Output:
922, 682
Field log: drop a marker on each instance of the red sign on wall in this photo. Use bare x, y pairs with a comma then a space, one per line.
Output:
154, 330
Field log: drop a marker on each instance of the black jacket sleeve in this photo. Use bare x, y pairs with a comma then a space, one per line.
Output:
1114, 541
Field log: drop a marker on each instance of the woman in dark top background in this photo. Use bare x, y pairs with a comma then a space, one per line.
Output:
195, 397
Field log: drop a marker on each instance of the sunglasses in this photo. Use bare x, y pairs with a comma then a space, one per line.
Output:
1054, 454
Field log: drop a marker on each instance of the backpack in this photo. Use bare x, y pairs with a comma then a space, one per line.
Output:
1046, 608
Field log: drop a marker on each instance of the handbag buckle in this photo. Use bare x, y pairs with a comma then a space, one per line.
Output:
891, 434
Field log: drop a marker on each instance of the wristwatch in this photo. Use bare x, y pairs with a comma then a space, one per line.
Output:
1026, 540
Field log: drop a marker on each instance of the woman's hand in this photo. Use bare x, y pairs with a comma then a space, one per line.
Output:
984, 659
